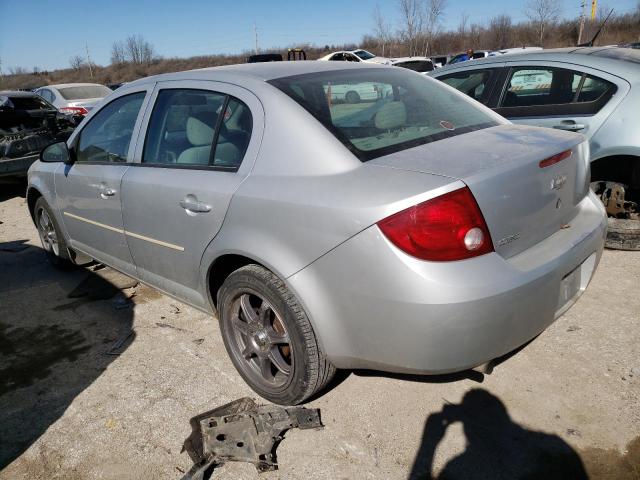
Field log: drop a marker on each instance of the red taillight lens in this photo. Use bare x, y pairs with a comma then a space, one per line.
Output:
445, 228
74, 110
547, 162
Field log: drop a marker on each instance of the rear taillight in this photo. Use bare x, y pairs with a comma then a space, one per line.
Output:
547, 162
445, 228
74, 110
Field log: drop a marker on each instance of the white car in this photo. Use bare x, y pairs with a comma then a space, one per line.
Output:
355, 56
74, 98
417, 64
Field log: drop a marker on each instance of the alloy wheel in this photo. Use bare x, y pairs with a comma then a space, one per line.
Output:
47, 232
261, 340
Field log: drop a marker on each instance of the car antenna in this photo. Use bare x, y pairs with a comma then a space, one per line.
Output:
590, 42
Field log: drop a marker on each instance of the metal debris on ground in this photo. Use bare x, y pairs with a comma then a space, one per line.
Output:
120, 344
242, 431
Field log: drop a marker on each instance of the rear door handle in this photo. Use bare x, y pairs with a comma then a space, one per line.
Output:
570, 125
191, 204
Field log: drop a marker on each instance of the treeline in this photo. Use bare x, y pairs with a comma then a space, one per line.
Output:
418, 32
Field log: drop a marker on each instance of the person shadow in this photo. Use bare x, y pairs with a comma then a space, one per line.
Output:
58, 332
496, 446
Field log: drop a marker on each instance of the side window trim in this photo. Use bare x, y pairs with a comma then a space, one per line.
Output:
75, 141
216, 134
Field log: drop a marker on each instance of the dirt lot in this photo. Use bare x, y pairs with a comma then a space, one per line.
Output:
94, 385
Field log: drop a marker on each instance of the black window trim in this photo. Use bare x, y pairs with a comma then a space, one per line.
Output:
76, 140
556, 110
210, 166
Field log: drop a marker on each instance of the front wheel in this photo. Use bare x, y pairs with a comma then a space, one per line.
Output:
269, 337
51, 237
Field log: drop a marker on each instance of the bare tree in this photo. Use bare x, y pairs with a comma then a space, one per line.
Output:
77, 62
412, 17
134, 49
500, 31
543, 14
17, 71
117, 53
434, 11
463, 25
383, 31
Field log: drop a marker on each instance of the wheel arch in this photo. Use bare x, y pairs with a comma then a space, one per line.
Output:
618, 168
33, 194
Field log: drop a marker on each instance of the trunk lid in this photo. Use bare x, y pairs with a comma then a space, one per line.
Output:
522, 202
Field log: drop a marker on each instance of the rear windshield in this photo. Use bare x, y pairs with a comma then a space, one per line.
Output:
364, 55
84, 91
416, 65
378, 111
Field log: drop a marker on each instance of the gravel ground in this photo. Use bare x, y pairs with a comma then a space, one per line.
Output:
98, 380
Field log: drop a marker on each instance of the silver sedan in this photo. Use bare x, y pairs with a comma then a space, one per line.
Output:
413, 231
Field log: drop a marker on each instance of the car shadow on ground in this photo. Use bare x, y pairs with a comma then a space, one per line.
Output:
58, 332
496, 446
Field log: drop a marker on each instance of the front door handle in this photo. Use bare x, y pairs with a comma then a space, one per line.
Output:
192, 205
106, 192
570, 125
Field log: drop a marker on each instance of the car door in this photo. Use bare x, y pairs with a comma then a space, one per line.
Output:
557, 95
200, 140
88, 190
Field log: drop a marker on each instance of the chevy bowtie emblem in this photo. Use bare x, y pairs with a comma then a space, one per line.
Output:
558, 181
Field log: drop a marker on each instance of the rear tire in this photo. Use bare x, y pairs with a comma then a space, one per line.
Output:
53, 241
623, 234
269, 337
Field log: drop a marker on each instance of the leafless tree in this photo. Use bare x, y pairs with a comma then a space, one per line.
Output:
463, 25
500, 31
134, 49
118, 53
543, 14
412, 17
77, 62
383, 31
433, 13
17, 71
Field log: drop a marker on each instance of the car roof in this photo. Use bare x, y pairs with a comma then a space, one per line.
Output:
257, 71
615, 60
409, 59
65, 85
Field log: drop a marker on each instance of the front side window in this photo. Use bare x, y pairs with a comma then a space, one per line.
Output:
475, 83
378, 111
107, 136
188, 127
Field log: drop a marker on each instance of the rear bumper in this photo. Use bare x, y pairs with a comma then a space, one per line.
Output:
16, 166
372, 306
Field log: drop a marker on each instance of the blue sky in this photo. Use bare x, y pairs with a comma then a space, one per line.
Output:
47, 33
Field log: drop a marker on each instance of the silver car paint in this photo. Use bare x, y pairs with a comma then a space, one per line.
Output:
613, 130
307, 210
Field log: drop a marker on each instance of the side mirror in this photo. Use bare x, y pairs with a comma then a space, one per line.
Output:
56, 152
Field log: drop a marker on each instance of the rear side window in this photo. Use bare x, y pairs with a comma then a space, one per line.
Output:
379, 111
548, 91
107, 136
475, 83
197, 128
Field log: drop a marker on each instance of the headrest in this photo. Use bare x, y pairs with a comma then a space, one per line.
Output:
198, 132
391, 115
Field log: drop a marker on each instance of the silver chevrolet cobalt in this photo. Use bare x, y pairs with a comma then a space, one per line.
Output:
410, 230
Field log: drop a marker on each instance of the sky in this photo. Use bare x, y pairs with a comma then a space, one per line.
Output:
46, 34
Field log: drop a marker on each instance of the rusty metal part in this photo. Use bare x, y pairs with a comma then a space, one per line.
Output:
613, 195
242, 431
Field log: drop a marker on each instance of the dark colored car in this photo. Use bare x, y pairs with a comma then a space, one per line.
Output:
28, 123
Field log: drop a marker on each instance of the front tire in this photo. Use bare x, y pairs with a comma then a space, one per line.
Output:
53, 242
269, 337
